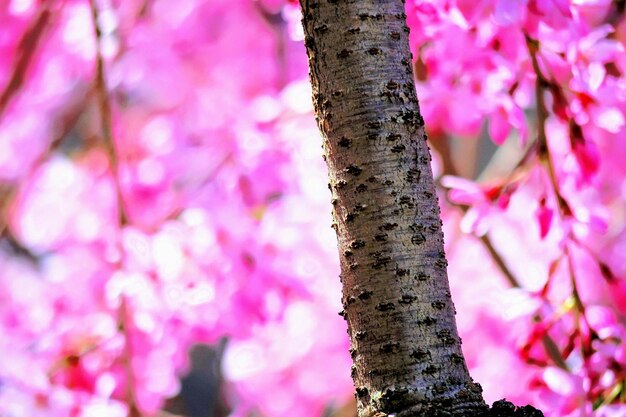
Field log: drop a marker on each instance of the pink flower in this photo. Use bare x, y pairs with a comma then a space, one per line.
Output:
544, 216
483, 201
507, 115
510, 12
554, 13
563, 393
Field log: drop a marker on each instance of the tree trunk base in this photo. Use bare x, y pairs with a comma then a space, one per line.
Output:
501, 408
505, 408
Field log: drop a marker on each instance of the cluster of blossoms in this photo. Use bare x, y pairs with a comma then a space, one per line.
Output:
550, 306
161, 186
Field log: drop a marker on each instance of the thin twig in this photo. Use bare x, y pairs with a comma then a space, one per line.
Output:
133, 408
549, 344
109, 142
564, 211
277, 24
508, 274
442, 146
543, 149
25, 51
105, 114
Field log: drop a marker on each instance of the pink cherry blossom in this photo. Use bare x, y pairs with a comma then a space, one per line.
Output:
206, 218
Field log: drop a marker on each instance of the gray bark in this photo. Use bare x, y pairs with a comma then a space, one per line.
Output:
404, 342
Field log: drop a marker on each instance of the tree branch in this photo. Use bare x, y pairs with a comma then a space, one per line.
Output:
25, 51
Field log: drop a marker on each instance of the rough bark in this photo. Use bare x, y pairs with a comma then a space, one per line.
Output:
404, 342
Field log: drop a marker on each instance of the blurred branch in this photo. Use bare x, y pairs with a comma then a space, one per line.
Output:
9, 190
278, 25
144, 10
106, 123
131, 398
25, 50
16, 247
6, 194
106, 126
508, 274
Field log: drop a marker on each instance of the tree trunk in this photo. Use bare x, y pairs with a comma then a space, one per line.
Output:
404, 342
